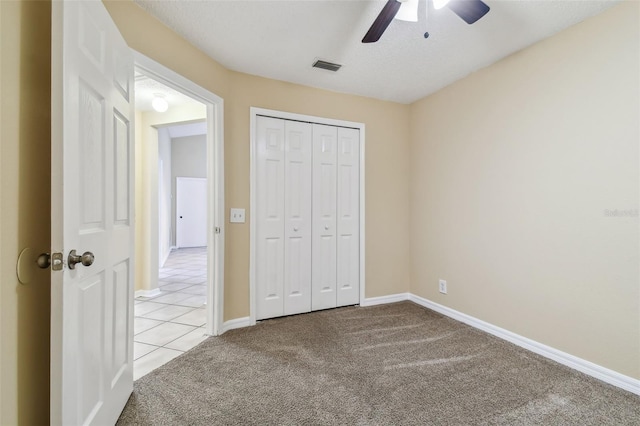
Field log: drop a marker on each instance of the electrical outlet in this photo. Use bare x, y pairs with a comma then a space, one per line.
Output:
442, 284
236, 216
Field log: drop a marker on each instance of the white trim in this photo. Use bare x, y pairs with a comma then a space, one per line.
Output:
594, 370
235, 323
306, 118
148, 293
381, 300
252, 217
215, 173
253, 113
362, 216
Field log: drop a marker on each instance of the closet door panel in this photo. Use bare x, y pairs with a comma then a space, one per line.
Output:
348, 217
297, 228
324, 258
270, 170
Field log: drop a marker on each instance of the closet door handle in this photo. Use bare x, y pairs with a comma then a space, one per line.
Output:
295, 229
326, 227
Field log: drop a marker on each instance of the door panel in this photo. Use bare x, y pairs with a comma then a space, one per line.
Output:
90, 337
119, 336
91, 207
91, 153
272, 278
348, 249
324, 217
297, 231
122, 160
270, 217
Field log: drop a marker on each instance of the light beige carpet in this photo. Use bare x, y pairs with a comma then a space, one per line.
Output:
397, 364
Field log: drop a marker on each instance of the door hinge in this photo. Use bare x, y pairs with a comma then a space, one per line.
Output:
217, 229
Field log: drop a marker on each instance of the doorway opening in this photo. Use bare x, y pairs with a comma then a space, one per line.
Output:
179, 215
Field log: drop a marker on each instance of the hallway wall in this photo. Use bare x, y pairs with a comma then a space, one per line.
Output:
188, 159
146, 197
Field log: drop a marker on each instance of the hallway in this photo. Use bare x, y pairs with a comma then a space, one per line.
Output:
167, 325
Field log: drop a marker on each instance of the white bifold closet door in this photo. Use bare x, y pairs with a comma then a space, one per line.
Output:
307, 217
348, 217
283, 260
325, 254
336, 225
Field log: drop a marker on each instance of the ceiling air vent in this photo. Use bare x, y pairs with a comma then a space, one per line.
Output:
326, 65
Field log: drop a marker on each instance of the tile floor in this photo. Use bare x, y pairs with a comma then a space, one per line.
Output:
173, 322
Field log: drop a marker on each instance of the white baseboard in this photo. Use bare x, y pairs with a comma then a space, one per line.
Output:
381, 300
148, 293
235, 323
606, 375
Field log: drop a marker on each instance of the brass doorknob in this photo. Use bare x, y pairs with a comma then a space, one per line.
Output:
86, 259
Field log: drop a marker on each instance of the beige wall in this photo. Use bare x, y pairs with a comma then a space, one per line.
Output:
24, 202
2, 253
387, 161
513, 169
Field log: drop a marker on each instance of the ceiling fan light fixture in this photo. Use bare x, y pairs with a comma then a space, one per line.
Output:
408, 11
159, 103
439, 4
468, 10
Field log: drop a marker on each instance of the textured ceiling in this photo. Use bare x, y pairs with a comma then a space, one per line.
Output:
281, 39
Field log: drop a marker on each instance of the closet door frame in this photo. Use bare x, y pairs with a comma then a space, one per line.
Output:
254, 113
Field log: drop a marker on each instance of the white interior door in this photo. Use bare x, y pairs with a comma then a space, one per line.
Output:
297, 228
348, 242
270, 217
323, 284
92, 211
191, 212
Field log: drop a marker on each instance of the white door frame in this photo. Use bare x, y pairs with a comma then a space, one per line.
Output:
215, 183
254, 112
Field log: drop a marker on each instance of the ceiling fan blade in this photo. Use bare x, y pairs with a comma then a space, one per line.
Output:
469, 10
382, 21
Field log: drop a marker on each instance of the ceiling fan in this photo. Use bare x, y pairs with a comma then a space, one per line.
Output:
469, 10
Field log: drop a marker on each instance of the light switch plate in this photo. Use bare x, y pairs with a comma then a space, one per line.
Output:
236, 216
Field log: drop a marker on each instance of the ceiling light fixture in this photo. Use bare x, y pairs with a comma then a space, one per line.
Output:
408, 11
159, 103
439, 4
